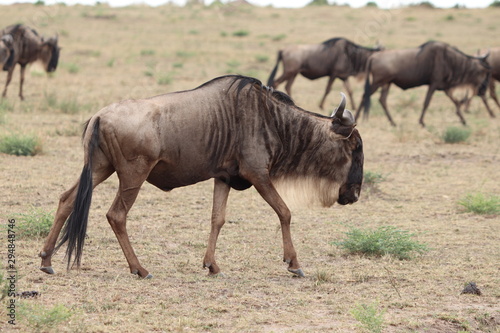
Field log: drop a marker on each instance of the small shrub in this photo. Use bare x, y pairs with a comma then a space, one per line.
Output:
322, 276
278, 38
495, 3
261, 58
372, 179
165, 79
50, 100
481, 204
185, 54
318, 3
456, 134
34, 224
73, 68
42, 319
372, 4
369, 316
241, 33
385, 240
69, 106
449, 18
111, 62
177, 65
20, 145
147, 52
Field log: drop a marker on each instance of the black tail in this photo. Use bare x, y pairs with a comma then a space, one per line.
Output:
367, 94
76, 226
270, 81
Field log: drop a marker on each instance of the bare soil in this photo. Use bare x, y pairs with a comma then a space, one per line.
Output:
110, 54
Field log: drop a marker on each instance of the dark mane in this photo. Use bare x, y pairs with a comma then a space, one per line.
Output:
331, 42
244, 81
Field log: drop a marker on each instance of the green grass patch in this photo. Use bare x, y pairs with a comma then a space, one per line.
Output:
34, 224
165, 79
385, 240
370, 318
20, 145
262, 58
481, 204
372, 179
456, 134
72, 68
241, 33
42, 319
147, 52
278, 38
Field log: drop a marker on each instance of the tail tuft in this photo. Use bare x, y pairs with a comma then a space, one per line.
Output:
76, 226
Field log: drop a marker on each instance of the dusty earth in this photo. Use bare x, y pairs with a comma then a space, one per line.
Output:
110, 54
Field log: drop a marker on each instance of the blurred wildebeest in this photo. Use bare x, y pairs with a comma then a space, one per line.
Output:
335, 58
232, 129
29, 47
6, 51
494, 62
435, 64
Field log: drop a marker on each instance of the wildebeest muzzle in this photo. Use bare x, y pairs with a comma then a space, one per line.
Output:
350, 191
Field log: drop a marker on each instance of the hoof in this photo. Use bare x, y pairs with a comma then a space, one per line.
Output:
149, 276
297, 272
47, 270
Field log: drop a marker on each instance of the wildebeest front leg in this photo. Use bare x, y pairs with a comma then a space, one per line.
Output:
427, 101
268, 192
221, 192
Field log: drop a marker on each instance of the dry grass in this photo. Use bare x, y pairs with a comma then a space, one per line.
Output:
107, 56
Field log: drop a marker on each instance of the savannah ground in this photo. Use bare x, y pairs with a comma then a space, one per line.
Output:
110, 54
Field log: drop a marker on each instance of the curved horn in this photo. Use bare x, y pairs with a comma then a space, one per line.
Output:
340, 110
485, 56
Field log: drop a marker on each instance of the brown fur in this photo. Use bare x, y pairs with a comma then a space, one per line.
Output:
28, 47
335, 58
435, 64
232, 129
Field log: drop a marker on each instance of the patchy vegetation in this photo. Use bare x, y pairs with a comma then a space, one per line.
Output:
384, 240
480, 203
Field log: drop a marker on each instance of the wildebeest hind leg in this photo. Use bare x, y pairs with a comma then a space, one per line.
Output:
266, 189
117, 215
221, 192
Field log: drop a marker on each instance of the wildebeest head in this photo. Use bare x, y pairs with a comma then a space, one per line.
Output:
343, 123
6, 50
50, 54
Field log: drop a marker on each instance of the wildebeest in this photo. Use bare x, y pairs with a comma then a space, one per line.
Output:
6, 52
28, 47
232, 129
494, 62
435, 64
335, 58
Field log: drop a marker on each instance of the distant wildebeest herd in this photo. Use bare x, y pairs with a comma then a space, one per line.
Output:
247, 134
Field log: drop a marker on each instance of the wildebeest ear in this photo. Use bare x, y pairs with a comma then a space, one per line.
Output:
345, 116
